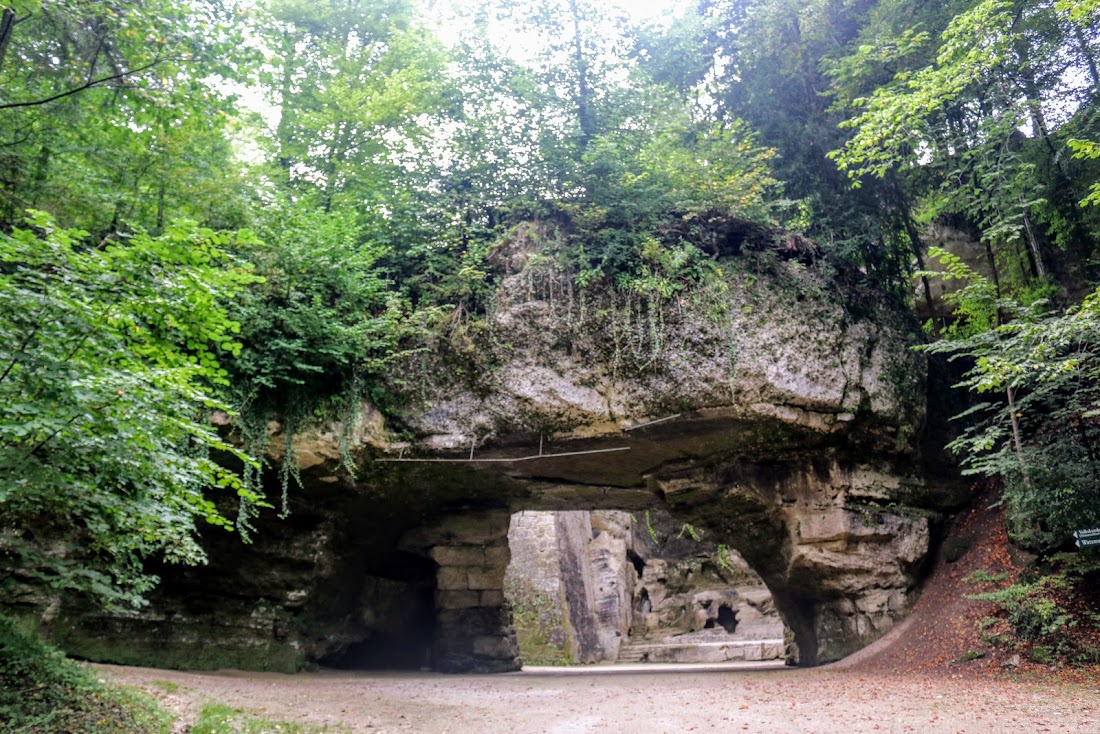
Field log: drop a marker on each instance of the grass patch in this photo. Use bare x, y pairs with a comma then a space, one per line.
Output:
981, 576
1042, 654
43, 692
217, 718
166, 685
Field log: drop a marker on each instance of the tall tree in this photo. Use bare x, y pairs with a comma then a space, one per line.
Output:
110, 362
99, 99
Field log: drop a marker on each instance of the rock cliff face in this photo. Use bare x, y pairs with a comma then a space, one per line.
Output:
777, 409
648, 589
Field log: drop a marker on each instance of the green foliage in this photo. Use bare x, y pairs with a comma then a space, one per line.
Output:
656, 197
1042, 436
1033, 614
396, 163
316, 331
650, 530
109, 113
938, 96
216, 718
897, 119
1042, 654
1090, 150
722, 557
42, 692
975, 305
347, 77
691, 531
322, 317
110, 364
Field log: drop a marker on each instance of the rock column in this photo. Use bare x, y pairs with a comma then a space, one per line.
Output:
474, 631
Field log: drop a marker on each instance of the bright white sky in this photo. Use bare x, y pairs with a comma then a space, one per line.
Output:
451, 16
644, 9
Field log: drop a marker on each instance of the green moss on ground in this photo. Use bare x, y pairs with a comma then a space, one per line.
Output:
216, 718
42, 692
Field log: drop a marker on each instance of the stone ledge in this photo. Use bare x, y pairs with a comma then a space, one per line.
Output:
703, 652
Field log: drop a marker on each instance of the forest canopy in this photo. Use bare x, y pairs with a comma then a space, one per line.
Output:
251, 206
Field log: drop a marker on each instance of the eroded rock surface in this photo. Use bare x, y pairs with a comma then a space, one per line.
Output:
777, 410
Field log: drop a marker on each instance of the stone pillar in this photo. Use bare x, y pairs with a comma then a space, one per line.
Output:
613, 593
474, 631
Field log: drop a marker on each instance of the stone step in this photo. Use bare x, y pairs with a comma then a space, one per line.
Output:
701, 652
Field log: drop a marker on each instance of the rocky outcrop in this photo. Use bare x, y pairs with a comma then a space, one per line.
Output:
768, 345
776, 409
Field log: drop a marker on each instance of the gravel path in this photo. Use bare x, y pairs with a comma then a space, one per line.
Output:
674, 699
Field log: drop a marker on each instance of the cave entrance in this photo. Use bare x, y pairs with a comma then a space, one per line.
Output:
394, 625
614, 586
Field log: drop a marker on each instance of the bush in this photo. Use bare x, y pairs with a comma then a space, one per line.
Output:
1042, 654
42, 692
1032, 613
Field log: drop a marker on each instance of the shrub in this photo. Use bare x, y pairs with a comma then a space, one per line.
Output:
1031, 612
1042, 654
42, 692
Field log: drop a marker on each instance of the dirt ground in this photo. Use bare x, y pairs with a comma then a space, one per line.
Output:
916, 679
759, 700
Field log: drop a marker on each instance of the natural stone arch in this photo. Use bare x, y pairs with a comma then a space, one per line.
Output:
779, 410
841, 570
838, 542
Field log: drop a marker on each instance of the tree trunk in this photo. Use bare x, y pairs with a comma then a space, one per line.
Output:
584, 94
7, 25
160, 210
911, 232
993, 270
282, 133
1017, 438
1036, 258
1090, 61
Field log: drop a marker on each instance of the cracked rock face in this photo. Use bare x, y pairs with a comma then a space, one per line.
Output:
774, 409
771, 344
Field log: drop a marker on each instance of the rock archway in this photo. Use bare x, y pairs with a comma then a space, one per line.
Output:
839, 543
842, 567
781, 411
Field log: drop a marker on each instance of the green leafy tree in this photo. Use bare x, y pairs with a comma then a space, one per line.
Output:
951, 130
111, 112
1035, 422
110, 364
315, 334
354, 82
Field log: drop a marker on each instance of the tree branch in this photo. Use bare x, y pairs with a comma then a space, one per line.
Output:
87, 85
22, 347
8, 21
